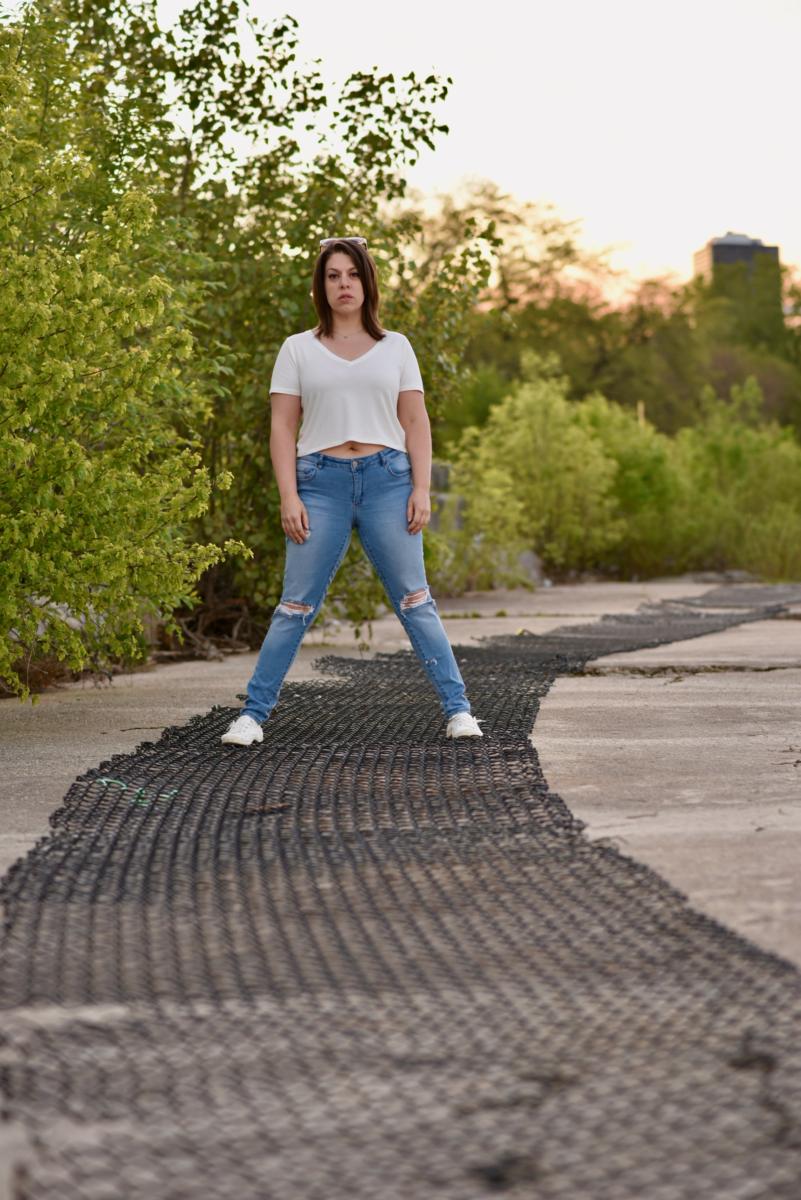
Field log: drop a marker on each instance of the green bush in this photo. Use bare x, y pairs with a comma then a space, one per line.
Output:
532, 478
740, 489
587, 485
644, 488
99, 488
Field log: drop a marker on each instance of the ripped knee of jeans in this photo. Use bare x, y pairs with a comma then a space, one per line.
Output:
413, 599
293, 608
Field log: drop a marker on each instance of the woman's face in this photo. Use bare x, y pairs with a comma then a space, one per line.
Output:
343, 287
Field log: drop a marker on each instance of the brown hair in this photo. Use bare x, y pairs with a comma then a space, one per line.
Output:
365, 265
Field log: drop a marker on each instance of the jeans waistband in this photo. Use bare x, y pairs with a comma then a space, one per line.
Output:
360, 460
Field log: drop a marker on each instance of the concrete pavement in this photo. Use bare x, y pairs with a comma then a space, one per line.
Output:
688, 756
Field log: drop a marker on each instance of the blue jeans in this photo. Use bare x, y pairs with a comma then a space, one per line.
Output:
368, 493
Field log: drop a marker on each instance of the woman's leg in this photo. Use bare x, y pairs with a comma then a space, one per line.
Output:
397, 557
310, 567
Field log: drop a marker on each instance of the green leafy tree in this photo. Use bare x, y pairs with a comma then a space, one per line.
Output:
258, 218
167, 111
102, 478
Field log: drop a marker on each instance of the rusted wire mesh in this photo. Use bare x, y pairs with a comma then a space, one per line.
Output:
363, 961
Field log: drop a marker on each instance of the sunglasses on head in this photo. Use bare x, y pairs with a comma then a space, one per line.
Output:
360, 241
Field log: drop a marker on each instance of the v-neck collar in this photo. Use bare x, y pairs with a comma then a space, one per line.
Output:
349, 362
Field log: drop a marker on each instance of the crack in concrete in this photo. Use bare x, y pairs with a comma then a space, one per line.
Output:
680, 671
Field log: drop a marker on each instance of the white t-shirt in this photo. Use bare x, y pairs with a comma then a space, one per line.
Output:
343, 400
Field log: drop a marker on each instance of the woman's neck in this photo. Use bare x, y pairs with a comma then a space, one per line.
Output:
347, 328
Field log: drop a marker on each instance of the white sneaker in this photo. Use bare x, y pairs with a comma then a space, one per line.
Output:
463, 724
243, 731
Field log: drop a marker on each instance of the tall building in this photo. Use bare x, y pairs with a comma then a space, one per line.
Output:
733, 248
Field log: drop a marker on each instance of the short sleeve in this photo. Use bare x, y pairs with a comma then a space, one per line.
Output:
286, 377
411, 379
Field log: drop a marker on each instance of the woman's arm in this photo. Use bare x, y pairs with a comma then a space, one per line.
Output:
285, 418
413, 417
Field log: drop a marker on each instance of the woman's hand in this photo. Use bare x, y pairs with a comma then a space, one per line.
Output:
418, 509
295, 519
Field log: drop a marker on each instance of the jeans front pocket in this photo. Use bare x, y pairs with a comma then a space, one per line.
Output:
306, 468
399, 464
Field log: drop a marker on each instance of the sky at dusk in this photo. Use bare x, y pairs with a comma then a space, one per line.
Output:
657, 126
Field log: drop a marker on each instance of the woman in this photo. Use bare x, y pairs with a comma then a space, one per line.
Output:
363, 461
